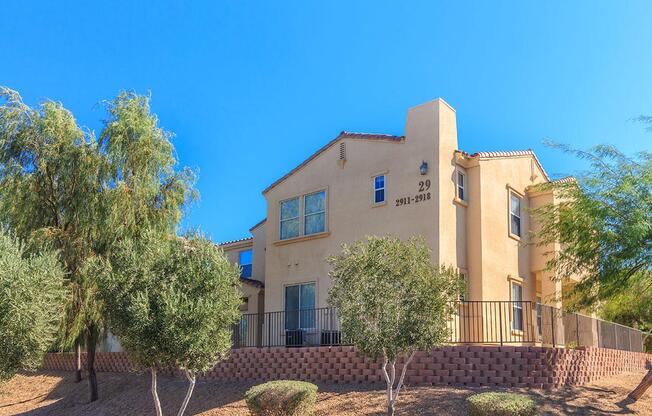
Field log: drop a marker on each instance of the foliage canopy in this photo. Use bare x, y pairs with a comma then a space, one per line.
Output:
172, 302
62, 188
31, 306
602, 224
392, 301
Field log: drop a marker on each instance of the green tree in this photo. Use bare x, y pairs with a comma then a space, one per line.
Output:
31, 305
61, 187
392, 302
172, 302
603, 225
632, 308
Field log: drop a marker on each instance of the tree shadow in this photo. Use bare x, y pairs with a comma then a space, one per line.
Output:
129, 394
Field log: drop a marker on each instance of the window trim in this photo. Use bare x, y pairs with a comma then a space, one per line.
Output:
285, 286
302, 235
515, 306
281, 220
464, 196
511, 192
305, 216
248, 264
384, 188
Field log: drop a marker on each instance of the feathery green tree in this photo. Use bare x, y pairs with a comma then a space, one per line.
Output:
603, 226
172, 302
61, 187
392, 302
31, 305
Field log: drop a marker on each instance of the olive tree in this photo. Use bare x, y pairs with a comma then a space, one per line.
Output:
172, 302
31, 305
392, 302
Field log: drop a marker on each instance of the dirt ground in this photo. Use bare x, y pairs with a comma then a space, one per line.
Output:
55, 393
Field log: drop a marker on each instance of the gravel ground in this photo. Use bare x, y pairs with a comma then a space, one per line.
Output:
55, 393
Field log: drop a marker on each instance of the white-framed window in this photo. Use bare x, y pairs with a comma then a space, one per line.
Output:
539, 316
515, 214
314, 219
245, 258
303, 215
300, 306
517, 306
290, 218
461, 185
379, 189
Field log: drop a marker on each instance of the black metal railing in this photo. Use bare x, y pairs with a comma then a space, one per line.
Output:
472, 322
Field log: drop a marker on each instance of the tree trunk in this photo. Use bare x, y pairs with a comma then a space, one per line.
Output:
78, 366
638, 392
191, 379
91, 344
390, 409
157, 402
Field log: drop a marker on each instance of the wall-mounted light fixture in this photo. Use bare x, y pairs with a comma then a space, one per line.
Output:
424, 167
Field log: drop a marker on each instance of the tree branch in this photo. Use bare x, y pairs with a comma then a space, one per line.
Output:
400, 380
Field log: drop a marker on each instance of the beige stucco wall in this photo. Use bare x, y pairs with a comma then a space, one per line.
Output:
351, 214
472, 235
253, 293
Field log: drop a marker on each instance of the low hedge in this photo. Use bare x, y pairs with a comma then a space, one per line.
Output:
282, 398
501, 404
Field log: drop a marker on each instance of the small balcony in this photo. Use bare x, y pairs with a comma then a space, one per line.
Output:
473, 322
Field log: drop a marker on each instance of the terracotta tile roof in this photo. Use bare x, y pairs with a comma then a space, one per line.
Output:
342, 135
252, 282
567, 179
511, 153
240, 240
259, 223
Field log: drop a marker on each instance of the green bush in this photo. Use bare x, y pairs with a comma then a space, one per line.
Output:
501, 404
282, 398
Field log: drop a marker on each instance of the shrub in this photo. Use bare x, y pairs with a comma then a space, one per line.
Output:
282, 398
501, 404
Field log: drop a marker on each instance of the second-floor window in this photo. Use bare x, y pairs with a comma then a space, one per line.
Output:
314, 213
514, 214
245, 258
304, 215
379, 189
461, 186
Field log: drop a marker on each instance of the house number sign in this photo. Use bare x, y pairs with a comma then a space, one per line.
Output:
421, 195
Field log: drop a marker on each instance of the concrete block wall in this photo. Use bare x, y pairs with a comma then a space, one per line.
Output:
534, 367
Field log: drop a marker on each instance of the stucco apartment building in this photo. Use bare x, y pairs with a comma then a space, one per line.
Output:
471, 209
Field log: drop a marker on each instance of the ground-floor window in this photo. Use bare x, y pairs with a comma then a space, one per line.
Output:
300, 306
539, 315
517, 307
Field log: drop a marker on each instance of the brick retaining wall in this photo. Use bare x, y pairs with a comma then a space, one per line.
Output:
537, 367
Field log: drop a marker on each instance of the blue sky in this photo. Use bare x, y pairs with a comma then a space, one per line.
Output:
253, 88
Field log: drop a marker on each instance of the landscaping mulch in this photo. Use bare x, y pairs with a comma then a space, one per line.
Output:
56, 393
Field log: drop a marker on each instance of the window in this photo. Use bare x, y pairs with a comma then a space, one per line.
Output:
461, 186
290, 218
244, 260
539, 315
300, 306
315, 213
304, 215
379, 189
514, 214
517, 307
